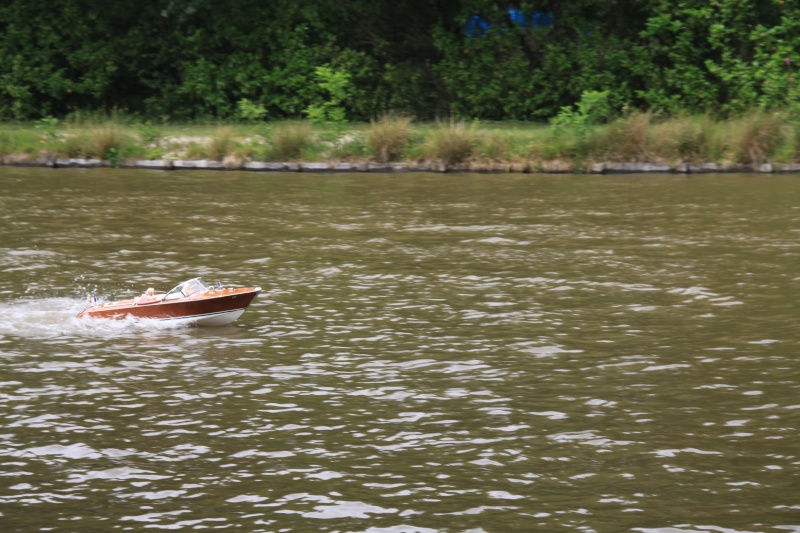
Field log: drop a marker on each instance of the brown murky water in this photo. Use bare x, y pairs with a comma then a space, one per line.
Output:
430, 353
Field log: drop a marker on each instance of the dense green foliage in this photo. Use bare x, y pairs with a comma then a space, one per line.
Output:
333, 60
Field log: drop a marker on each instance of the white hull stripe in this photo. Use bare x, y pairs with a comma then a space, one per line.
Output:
204, 315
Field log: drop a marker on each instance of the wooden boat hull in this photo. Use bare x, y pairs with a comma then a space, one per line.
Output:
212, 308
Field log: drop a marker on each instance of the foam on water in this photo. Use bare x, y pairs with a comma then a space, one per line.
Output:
57, 317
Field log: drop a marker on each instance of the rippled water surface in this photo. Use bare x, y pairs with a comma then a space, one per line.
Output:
430, 353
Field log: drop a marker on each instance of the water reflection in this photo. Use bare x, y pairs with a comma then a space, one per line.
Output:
431, 353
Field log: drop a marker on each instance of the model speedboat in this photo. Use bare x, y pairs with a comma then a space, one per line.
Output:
193, 301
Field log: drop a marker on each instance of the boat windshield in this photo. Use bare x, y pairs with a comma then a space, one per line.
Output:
187, 288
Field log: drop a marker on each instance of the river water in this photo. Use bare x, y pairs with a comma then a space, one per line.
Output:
455, 353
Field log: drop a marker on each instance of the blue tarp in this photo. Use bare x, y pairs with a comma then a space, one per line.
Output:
477, 25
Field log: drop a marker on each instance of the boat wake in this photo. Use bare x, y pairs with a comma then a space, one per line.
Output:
56, 317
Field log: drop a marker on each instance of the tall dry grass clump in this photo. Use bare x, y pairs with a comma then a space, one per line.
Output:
109, 140
450, 142
289, 140
388, 137
757, 137
627, 138
95, 137
689, 139
550, 143
493, 145
793, 143
221, 144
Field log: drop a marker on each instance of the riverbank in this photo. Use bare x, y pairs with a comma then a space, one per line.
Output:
638, 143
555, 167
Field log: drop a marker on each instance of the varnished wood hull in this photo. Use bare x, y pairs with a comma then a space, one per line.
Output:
214, 308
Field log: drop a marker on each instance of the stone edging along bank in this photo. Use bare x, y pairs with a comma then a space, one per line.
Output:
484, 168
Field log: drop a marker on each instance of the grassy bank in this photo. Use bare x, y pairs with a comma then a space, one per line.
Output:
748, 140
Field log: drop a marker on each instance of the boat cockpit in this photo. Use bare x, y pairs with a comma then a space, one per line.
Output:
187, 288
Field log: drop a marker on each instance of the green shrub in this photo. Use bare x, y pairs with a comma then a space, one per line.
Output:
249, 111
593, 108
47, 126
337, 86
